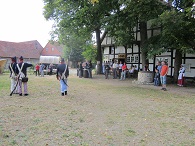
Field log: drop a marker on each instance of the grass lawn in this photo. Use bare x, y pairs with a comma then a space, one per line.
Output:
96, 112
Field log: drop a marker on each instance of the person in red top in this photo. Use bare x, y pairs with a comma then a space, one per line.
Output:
37, 69
124, 70
163, 75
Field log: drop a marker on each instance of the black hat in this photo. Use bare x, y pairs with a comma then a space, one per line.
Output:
62, 60
21, 58
13, 58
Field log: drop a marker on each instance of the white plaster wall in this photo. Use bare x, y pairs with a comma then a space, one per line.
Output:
106, 50
191, 55
104, 41
138, 36
119, 49
108, 40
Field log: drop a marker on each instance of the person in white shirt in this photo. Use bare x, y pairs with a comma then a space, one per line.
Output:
131, 70
181, 76
114, 69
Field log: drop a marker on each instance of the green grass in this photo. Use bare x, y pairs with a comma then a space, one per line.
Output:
95, 112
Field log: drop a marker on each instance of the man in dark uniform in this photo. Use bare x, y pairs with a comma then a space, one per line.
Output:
13, 77
21, 66
62, 75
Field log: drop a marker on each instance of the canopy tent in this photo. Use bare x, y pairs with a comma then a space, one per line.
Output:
2, 65
50, 59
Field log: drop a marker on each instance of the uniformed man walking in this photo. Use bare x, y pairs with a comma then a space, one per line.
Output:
62, 75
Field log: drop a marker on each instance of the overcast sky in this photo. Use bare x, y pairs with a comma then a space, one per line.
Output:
22, 20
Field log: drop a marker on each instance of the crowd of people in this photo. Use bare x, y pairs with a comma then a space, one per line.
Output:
18, 75
161, 71
118, 70
39, 69
84, 69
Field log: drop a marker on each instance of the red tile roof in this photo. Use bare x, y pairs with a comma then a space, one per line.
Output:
52, 49
29, 49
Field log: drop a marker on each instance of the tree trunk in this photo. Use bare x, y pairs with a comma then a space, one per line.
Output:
99, 51
125, 53
144, 37
177, 63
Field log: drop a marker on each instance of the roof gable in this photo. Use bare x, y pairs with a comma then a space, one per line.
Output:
52, 49
29, 49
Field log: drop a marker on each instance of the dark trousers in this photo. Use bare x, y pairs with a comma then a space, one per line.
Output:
156, 81
37, 72
106, 74
80, 73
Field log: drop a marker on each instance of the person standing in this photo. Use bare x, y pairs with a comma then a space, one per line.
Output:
158, 67
80, 70
163, 75
124, 70
13, 77
37, 69
50, 69
107, 69
120, 68
21, 71
114, 70
181, 77
62, 75
41, 69
157, 78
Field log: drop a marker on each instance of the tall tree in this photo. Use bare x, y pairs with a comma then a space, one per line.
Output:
178, 32
133, 13
81, 16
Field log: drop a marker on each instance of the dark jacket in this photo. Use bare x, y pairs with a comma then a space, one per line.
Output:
61, 69
25, 66
13, 65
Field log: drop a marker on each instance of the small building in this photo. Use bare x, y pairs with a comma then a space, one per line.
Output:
51, 54
30, 50
52, 49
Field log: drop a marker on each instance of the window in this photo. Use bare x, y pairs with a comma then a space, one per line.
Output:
132, 59
136, 59
111, 50
128, 59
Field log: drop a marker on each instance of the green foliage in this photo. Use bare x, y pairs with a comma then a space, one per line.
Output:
90, 53
178, 31
74, 55
77, 20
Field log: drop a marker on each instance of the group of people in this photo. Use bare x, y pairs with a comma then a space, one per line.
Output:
39, 69
83, 68
18, 75
119, 70
161, 72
